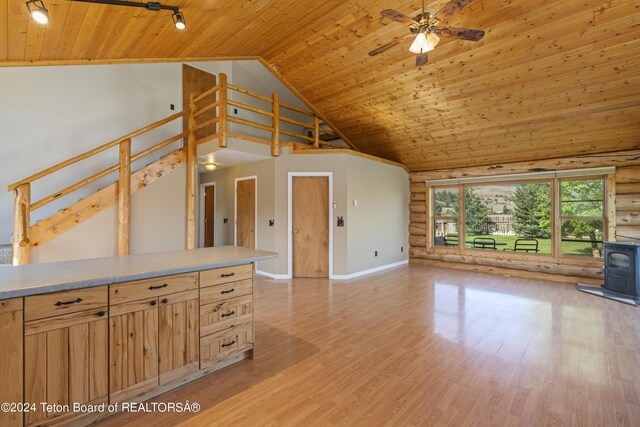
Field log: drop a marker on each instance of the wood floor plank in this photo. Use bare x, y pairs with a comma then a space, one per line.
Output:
424, 346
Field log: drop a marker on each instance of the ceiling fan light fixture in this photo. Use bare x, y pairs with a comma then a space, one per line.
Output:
178, 20
38, 11
424, 43
210, 166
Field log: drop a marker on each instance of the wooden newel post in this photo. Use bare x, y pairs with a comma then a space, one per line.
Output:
21, 224
275, 124
124, 198
223, 122
192, 177
316, 131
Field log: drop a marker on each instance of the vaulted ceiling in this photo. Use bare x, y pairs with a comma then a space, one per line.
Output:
551, 78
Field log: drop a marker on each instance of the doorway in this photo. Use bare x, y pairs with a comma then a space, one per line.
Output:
207, 214
310, 231
194, 80
246, 212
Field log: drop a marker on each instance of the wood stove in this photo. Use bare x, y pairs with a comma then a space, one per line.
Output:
622, 268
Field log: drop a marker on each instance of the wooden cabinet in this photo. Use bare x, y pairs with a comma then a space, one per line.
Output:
226, 314
155, 338
11, 359
110, 344
133, 348
65, 354
178, 350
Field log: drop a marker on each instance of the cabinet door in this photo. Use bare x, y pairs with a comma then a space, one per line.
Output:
65, 362
133, 349
11, 333
179, 335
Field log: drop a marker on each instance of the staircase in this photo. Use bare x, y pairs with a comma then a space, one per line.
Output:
315, 136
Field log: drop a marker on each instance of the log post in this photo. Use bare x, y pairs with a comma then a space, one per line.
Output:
275, 124
124, 198
223, 122
316, 131
192, 176
21, 224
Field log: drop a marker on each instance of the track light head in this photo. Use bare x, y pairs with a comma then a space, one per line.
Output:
38, 11
178, 20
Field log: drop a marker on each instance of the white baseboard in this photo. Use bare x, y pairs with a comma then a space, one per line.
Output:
369, 271
273, 276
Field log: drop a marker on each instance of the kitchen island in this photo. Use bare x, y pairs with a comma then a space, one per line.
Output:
100, 333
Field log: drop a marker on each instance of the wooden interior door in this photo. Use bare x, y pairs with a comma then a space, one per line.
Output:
246, 213
133, 349
66, 362
209, 213
197, 81
310, 226
179, 332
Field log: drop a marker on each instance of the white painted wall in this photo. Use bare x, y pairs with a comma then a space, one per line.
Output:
49, 114
379, 222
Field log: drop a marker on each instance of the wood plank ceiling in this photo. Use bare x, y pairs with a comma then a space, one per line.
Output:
551, 78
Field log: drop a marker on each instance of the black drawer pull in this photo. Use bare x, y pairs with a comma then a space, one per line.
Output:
59, 303
154, 302
152, 288
229, 345
101, 313
228, 292
228, 275
228, 314
165, 300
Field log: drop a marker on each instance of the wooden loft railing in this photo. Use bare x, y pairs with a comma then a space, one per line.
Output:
215, 99
279, 112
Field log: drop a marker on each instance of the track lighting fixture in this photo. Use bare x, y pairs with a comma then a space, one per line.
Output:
178, 20
38, 11
40, 14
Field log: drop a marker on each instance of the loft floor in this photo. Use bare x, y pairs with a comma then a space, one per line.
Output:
425, 346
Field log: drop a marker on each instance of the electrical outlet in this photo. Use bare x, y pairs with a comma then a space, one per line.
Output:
172, 107
235, 111
401, 248
376, 253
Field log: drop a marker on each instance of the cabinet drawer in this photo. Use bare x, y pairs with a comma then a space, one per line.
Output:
65, 302
225, 314
224, 292
216, 347
159, 286
226, 275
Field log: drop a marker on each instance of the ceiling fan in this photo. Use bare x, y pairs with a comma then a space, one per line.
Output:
426, 28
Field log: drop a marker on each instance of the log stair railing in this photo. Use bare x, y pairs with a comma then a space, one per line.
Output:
27, 236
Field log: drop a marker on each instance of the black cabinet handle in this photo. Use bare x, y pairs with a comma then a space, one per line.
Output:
152, 288
228, 275
228, 314
101, 313
75, 301
228, 292
164, 301
228, 345
154, 302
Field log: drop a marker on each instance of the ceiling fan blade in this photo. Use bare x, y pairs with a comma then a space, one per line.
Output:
452, 7
387, 46
421, 59
397, 16
460, 33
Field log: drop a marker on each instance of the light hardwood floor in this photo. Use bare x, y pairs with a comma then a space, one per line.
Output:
425, 346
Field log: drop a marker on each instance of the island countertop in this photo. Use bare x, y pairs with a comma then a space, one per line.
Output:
61, 276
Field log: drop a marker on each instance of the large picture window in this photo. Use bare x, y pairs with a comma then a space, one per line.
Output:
561, 217
509, 217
